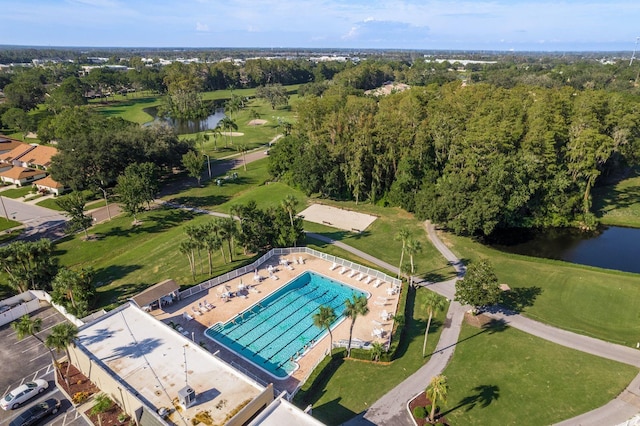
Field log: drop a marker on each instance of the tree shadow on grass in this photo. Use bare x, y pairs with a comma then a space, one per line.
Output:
204, 201
481, 397
152, 223
493, 326
106, 275
516, 300
333, 412
119, 294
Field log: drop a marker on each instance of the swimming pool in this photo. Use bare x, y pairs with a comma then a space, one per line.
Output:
274, 332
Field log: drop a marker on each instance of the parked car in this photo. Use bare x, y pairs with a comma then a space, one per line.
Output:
36, 413
22, 393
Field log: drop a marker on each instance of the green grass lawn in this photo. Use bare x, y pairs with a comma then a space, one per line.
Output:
619, 204
355, 385
16, 192
590, 301
49, 203
7, 223
512, 378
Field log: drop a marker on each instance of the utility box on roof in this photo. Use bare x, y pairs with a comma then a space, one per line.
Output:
186, 396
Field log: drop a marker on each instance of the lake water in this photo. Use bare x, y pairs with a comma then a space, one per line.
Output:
612, 247
189, 126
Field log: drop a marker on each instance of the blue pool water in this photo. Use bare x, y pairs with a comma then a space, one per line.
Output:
273, 333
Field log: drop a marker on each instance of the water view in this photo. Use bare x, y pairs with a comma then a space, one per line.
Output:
612, 247
189, 126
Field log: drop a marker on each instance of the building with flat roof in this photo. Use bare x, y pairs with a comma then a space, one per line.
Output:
148, 368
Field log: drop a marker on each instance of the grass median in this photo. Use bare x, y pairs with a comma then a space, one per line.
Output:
506, 376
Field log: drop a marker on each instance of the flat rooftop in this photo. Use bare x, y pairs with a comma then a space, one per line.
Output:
150, 357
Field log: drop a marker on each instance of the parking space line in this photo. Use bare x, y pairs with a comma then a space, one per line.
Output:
8, 387
30, 348
39, 356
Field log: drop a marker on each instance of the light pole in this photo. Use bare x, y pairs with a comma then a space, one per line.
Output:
208, 164
4, 208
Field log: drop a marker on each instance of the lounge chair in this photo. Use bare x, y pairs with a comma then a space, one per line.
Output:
208, 305
196, 310
254, 290
384, 315
202, 308
368, 279
379, 303
186, 316
301, 260
377, 332
360, 276
274, 277
353, 273
377, 283
343, 270
289, 267
334, 266
377, 323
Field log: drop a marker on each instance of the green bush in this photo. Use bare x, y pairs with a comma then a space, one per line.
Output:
420, 412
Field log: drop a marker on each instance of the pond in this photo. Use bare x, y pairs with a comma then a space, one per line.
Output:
189, 126
611, 247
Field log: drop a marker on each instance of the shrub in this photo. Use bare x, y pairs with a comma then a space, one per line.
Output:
420, 412
79, 397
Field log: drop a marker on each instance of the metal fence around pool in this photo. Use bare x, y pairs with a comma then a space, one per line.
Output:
216, 281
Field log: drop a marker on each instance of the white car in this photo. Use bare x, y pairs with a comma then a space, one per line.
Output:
22, 393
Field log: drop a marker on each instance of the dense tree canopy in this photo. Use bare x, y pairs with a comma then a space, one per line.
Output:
474, 158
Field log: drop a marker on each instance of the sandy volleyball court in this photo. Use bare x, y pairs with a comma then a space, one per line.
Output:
337, 218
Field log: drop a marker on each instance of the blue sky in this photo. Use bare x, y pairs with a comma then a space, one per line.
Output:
406, 24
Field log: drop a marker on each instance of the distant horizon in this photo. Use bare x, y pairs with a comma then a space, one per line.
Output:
484, 25
336, 49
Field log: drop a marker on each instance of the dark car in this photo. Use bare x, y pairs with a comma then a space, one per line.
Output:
36, 413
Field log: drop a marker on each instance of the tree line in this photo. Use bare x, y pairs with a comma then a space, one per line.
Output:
471, 157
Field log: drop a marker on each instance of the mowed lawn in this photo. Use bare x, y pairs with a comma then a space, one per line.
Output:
356, 385
512, 378
619, 204
595, 302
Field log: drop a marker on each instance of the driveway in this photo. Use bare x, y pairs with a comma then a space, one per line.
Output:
39, 222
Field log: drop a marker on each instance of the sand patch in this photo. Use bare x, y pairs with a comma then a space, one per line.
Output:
257, 122
232, 134
337, 218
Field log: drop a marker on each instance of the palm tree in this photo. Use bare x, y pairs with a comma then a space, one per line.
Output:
228, 125
26, 327
353, 308
437, 391
62, 335
413, 247
323, 319
229, 231
435, 304
376, 351
289, 205
402, 235
101, 405
215, 132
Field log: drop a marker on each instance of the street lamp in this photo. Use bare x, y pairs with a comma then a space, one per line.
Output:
4, 208
208, 163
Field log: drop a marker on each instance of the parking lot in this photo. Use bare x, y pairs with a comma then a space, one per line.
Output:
27, 359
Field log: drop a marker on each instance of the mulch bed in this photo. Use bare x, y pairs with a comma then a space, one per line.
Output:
478, 321
108, 418
78, 382
422, 401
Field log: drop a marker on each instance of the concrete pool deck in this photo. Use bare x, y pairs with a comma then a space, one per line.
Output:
379, 301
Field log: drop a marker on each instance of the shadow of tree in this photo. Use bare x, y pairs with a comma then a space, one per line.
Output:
517, 299
135, 349
207, 200
483, 396
491, 327
332, 411
103, 276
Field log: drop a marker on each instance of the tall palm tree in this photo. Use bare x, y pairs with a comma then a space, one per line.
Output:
323, 319
402, 235
27, 326
352, 308
437, 391
62, 335
229, 230
412, 248
215, 132
228, 125
289, 204
435, 304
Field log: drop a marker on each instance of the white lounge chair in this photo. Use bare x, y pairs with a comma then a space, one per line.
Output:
343, 270
360, 276
289, 267
353, 273
368, 279
301, 260
208, 305
377, 323
334, 266
195, 310
384, 315
377, 332
377, 283
202, 308
186, 316
378, 303
274, 277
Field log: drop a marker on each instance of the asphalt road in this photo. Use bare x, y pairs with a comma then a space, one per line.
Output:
39, 222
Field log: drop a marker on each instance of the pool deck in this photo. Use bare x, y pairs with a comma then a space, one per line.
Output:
380, 300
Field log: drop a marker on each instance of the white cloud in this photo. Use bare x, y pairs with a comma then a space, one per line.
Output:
202, 27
